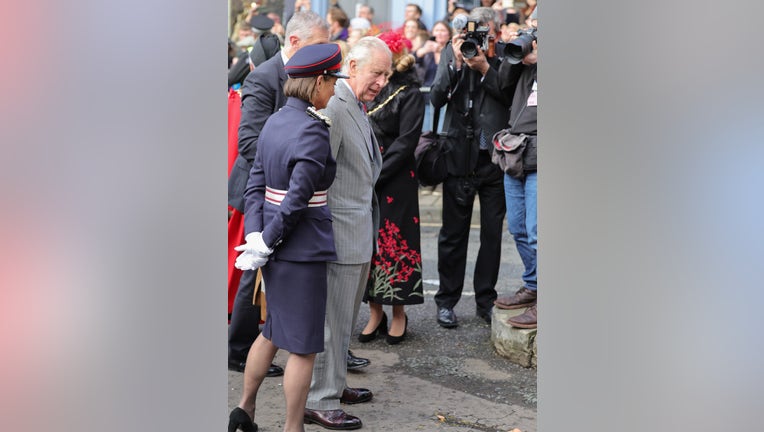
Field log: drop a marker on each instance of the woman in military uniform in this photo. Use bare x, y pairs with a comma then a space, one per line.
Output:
289, 227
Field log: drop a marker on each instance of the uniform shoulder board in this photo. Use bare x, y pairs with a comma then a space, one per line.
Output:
317, 115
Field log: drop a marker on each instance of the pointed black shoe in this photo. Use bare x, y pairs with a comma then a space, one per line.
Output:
239, 419
380, 330
355, 363
273, 370
393, 340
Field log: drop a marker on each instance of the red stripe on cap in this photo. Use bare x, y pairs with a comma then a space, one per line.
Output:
319, 62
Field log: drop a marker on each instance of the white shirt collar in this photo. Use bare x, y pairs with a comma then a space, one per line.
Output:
344, 81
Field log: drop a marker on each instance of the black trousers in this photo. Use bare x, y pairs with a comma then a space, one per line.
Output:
245, 319
487, 182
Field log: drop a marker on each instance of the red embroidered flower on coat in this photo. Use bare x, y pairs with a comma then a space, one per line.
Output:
394, 263
389, 199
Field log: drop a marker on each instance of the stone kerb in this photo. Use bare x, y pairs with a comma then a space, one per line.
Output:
517, 345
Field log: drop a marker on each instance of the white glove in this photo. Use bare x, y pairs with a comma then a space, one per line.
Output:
249, 261
255, 245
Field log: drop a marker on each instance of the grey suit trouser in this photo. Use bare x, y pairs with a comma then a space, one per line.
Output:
346, 284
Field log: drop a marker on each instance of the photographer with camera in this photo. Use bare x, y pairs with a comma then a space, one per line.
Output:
519, 82
467, 82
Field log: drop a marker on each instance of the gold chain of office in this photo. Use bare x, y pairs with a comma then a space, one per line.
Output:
389, 98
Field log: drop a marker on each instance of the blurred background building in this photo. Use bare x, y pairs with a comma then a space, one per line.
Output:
387, 13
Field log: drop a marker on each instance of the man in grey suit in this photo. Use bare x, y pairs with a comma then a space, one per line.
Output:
355, 216
261, 95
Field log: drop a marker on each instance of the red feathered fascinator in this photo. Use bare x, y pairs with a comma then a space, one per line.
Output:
395, 41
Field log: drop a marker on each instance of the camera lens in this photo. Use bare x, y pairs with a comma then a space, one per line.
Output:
513, 53
469, 48
517, 49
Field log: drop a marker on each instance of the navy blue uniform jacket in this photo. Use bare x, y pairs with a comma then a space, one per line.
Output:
294, 155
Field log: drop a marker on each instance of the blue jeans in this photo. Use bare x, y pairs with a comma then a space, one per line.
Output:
520, 195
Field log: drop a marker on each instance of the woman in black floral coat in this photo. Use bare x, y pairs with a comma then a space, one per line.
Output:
395, 278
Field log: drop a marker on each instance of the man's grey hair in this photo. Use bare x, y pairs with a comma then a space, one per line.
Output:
303, 24
362, 50
484, 15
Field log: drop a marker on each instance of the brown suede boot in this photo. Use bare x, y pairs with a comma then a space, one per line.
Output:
526, 320
522, 298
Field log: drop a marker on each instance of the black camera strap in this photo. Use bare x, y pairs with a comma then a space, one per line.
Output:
471, 75
471, 94
436, 118
451, 92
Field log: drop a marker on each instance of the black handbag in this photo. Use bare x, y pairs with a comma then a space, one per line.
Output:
430, 155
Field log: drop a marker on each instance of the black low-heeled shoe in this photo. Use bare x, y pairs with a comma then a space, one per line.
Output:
239, 419
380, 330
392, 340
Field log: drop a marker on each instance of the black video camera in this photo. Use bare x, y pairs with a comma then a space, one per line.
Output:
521, 46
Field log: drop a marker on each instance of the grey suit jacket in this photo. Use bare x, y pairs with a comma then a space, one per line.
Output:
355, 211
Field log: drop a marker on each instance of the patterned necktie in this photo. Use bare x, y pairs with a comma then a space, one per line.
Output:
483, 141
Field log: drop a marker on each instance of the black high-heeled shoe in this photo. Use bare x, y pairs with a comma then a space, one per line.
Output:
380, 330
393, 340
239, 419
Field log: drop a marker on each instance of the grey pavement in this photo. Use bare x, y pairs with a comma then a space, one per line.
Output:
437, 379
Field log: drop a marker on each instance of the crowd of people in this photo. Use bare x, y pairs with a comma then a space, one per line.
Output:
323, 188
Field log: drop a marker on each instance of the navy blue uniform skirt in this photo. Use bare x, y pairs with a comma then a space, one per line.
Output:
295, 293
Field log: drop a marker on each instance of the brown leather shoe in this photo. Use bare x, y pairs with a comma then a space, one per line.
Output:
355, 395
332, 419
526, 320
522, 298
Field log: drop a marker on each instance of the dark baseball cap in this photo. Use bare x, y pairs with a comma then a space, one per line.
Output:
261, 22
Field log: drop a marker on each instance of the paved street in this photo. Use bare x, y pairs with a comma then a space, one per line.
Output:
437, 379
